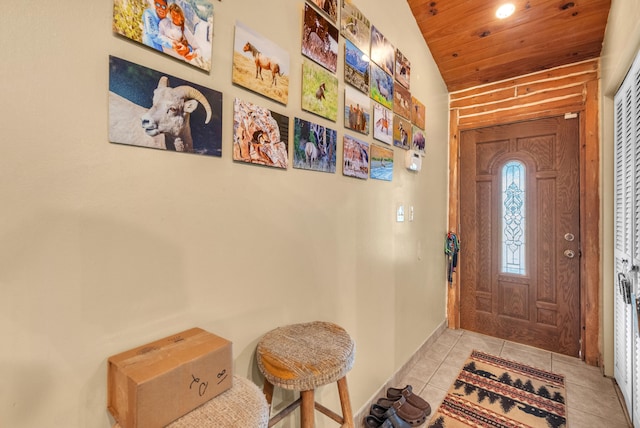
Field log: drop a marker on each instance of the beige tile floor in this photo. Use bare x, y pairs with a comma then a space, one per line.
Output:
592, 399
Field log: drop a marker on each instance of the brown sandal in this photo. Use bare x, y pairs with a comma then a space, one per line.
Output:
413, 399
413, 415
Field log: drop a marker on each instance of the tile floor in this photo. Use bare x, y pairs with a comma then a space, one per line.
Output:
591, 398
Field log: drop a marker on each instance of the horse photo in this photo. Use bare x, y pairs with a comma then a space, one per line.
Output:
260, 65
319, 91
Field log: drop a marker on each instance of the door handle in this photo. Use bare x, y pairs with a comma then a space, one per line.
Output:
569, 254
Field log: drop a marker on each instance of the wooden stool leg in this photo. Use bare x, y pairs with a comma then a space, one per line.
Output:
307, 409
267, 389
345, 403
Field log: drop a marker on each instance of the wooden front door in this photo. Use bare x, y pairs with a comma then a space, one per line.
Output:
519, 233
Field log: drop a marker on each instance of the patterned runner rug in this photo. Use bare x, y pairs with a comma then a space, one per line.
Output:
493, 392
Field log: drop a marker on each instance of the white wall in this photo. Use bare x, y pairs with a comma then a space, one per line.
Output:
621, 43
104, 247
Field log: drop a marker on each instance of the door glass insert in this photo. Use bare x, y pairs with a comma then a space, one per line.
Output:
513, 218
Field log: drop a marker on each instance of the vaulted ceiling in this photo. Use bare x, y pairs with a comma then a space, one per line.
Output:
471, 46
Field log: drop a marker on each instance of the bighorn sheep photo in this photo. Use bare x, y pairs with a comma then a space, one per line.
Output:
170, 113
167, 123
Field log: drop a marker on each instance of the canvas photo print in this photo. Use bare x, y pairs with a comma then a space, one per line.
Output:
401, 132
382, 51
402, 70
319, 91
314, 146
329, 7
260, 136
354, 26
357, 110
355, 157
381, 163
418, 114
401, 101
382, 124
148, 108
381, 87
260, 65
418, 140
319, 39
356, 67
179, 28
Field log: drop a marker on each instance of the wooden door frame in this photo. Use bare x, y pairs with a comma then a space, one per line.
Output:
582, 99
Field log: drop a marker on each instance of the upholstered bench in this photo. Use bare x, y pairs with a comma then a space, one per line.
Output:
244, 405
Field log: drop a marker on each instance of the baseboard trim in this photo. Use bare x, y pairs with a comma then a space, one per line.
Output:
401, 373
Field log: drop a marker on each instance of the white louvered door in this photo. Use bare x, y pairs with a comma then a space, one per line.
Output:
627, 239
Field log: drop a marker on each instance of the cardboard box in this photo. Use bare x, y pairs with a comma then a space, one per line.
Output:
154, 384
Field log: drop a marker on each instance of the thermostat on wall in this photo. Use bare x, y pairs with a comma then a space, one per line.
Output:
413, 160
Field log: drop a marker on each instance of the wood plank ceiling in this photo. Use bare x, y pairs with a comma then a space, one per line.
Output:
471, 46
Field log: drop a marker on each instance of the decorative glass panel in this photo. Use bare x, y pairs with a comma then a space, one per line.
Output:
513, 218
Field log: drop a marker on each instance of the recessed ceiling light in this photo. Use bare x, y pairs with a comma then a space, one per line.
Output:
505, 11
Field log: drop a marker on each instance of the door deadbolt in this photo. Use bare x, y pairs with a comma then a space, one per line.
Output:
569, 237
569, 254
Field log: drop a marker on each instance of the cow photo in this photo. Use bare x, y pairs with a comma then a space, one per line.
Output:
148, 108
260, 65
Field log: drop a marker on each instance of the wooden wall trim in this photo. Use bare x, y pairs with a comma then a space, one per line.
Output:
590, 232
572, 88
453, 295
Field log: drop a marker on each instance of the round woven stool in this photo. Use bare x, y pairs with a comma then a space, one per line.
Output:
302, 357
244, 405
